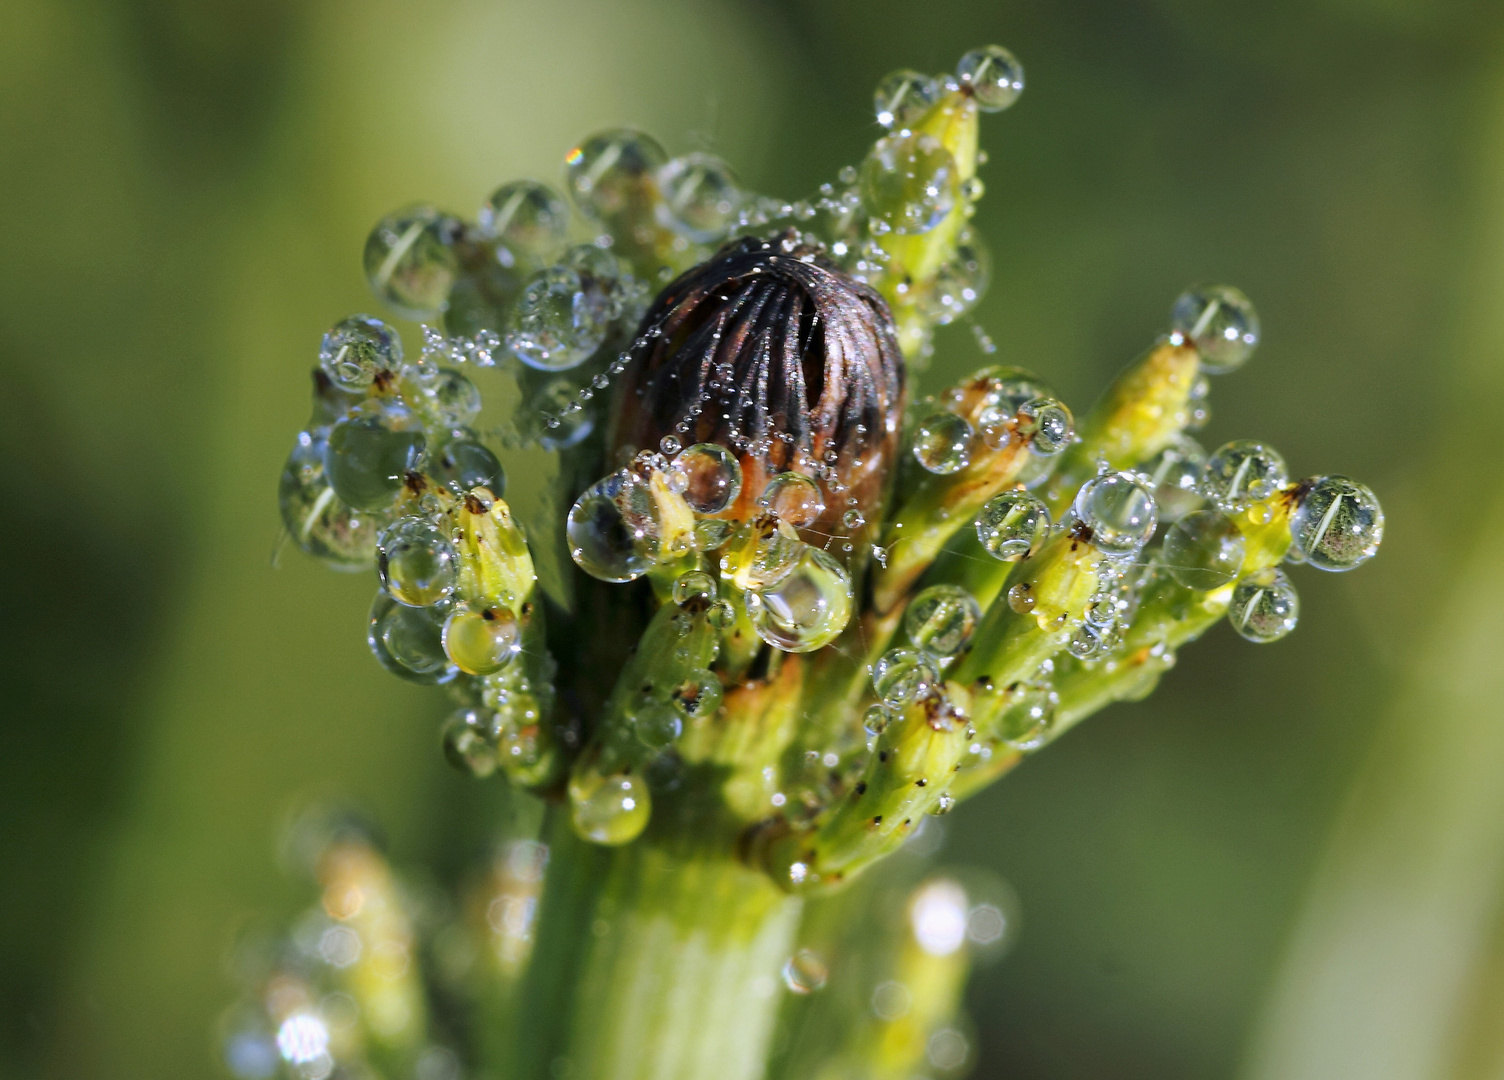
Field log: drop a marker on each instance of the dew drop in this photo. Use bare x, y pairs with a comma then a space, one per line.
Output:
1265, 606
317, 519
1027, 722
1337, 525
530, 219
1119, 509
469, 738
876, 719
656, 723
994, 76
1047, 424
1175, 474
609, 810
480, 642
943, 443
356, 348
910, 184
941, 619
1220, 322
1013, 524
701, 197
612, 529
410, 260
793, 498
408, 641
608, 173
805, 972
370, 451
903, 676
1204, 550
807, 608
903, 97
417, 564
1243, 472
707, 475
697, 588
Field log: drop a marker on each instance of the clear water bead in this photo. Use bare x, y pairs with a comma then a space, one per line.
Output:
1265, 606
1220, 322
609, 809
608, 173
469, 740
994, 75
1242, 473
417, 563
1337, 525
960, 281
555, 326
481, 642
1175, 474
941, 619
903, 97
701, 197
904, 676
700, 694
1013, 524
1119, 509
910, 183
407, 641
612, 529
876, 719
1028, 720
656, 723
318, 521
1204, 550
370, 451
355, 349
807, 608
805, 972
455, 398
530, 219
410, 260
708, 476
464, 464
1047, 424
696, 588
794, 498
943, 443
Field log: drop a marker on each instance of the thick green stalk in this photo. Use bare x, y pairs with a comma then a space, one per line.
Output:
653, 961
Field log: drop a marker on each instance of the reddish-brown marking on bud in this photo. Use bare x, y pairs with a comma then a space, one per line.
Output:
772, 351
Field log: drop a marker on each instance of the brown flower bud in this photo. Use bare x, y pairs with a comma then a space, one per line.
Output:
770, 350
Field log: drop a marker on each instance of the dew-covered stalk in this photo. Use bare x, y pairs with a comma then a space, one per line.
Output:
808, 606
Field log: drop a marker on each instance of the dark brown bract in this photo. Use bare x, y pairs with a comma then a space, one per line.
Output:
769, 349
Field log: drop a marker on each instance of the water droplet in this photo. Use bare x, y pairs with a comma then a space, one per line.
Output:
941, 619
355, 349
805, 972
317, 519
994, 76
1047, 424
408, 641
669, 445
960, 281
1021, 598
711, 533
701, 197
793, 498
417, 563
1119, 510
876, 719
697, 588
1243, 472
455, 398
529, 219
902, 98
609, 809
612, 528
943, 442
1013, 524
1204, 550
555, 326
1265, 606
1220, 322
565, 423
656, 723
469, 738
721, 614
481, 642
761, 555
945, 804
700, 694
614, 171
903, 676
909, 183
1175, 474
410, 260
708, 476
465, 463
807, 608
370, 451
1337, 525
1026, 723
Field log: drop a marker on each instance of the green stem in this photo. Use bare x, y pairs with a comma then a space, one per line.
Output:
652, 962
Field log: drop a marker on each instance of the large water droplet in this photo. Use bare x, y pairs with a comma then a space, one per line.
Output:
317, 519
910, 183
902, 98
708, 476
1337, 525
656, 723
941, 619
793, 498
1243, 472
554, 327
807, 608
943, 443
701, 197
1220, 322
805, 972
1265, 606
370, 451
1012, 524
903, 676
417, 563
529, 219
410, 260
994, 76
455, 398
609, 809
465, 463
612, 529
469, 738
1175, 474
1027, 722
408, 641
1204, 550
1119, 510
610, 172
1047, 425
481, 642
355, 349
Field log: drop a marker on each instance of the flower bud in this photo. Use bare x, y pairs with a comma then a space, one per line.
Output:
770, 350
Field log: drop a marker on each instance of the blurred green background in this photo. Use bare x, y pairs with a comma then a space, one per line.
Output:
1288, 863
